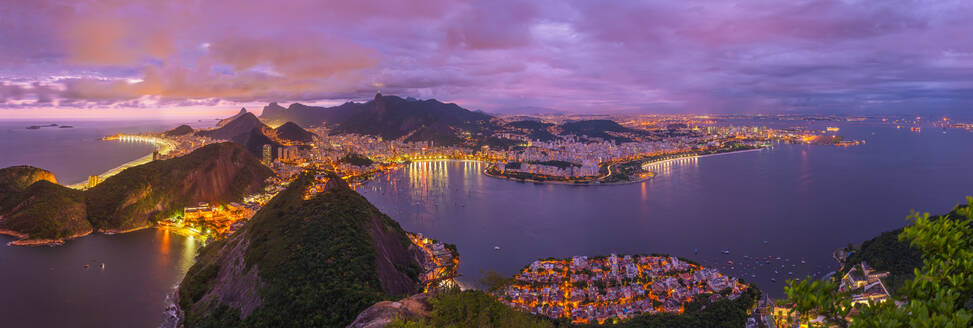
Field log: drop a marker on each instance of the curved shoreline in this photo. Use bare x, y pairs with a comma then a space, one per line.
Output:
162, 147
24, 239
599, 183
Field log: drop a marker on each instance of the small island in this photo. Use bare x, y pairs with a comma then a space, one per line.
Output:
37, 127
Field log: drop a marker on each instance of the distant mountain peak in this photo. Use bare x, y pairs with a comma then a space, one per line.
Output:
387, 116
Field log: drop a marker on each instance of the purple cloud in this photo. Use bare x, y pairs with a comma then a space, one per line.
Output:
499, 56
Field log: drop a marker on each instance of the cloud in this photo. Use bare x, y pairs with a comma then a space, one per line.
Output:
568, 55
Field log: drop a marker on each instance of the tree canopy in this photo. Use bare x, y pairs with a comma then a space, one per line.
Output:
939, 295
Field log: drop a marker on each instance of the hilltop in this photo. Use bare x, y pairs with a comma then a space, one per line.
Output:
243, 111
237, 125
290, 131
389, 117
140, 195
302, 263
178, 131
34, 208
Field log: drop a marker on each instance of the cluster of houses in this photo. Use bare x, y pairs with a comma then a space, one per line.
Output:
440, 263
592, 290
218, 220
586, 169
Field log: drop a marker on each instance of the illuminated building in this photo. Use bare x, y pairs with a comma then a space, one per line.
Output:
268, 154
92, 181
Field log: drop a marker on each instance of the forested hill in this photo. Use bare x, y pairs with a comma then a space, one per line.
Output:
138, 196
302, 263
34, 207
887, 253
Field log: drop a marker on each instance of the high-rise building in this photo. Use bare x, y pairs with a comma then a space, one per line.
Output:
92, 181
155, 155
268, 154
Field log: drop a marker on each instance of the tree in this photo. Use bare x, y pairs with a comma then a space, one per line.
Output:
940, 295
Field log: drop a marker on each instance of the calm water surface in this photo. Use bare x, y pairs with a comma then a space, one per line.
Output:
805, 201
73, 154
50, 287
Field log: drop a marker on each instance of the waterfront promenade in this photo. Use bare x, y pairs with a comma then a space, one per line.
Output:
162, 145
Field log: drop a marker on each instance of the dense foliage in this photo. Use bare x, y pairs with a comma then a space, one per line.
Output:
315, 258
887, 253
44, 210
940, 294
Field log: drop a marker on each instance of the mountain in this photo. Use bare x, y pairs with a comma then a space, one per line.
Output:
239, 125
597, 129
536, 130
290, 131
254, 141
389, 117
243, 111
140, 195
301, 263
36, 209
179, 130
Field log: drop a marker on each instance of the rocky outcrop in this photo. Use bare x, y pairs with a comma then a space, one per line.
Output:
140, 195
382, 313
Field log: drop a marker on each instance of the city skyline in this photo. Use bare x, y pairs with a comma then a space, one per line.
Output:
500, 57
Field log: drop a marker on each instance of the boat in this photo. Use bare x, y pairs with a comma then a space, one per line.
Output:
102, 265
86, 266
726, 252
496, 248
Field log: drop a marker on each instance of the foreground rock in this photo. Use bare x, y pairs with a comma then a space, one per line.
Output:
382, 313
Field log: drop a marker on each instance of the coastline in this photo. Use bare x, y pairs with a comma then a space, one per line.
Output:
599, 183
24, 239
159, 146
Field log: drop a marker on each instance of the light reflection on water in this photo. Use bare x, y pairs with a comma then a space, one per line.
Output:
804, 200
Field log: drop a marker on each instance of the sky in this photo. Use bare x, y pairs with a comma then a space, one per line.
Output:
108, 57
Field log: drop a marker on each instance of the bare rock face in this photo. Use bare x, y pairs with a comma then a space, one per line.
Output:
378, 315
